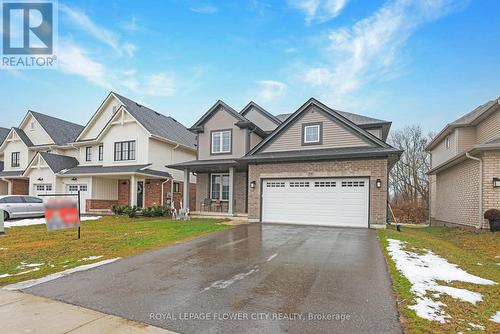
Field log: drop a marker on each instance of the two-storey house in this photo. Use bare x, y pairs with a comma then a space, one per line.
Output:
465, 168
316, 166
36, 133
117, 158
4, 185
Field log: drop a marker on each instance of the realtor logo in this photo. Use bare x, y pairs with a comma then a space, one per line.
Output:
28, 34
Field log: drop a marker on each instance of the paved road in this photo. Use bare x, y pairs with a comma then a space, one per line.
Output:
270, 276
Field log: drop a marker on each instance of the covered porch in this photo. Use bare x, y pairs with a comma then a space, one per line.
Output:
221, 187
13, 183
133, 186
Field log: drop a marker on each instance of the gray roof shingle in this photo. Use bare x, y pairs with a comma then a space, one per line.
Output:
141, 169
59, 162
355, 118
470, 117
62, 132
3, 134
158, 124
23, 137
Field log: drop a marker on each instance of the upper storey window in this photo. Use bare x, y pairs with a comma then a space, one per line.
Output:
221, 142
125, 150
311, 134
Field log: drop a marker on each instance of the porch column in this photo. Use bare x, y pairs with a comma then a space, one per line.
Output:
230, 208
133, 190
185, 193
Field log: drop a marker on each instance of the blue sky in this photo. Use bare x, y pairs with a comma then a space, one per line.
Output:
409, 61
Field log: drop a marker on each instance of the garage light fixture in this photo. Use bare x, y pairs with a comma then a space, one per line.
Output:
252, 184
378, 183
496, 182
40, 179
74, 179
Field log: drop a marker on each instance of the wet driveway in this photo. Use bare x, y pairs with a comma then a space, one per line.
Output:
251, 279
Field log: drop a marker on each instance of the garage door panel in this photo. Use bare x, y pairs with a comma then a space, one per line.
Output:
332, 202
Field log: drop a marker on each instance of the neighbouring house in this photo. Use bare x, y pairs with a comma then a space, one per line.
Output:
465, 168
315, 166
117, 158
36, 133
4, 185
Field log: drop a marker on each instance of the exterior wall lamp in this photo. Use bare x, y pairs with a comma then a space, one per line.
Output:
496, 182
252, 184
40, 179
378, 183
74, 179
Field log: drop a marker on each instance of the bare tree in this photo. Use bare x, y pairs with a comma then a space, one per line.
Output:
408, 179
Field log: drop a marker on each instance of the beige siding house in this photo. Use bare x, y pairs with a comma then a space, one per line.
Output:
465, 162
315, 166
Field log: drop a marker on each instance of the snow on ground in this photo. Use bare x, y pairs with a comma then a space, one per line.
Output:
496, 317
423, 271
476, 326
39, 221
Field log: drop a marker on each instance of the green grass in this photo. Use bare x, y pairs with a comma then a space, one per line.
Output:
110, 237
465, 248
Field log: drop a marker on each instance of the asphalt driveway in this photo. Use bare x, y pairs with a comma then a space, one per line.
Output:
266, 278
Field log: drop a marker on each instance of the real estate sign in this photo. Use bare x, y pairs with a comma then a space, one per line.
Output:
61, 213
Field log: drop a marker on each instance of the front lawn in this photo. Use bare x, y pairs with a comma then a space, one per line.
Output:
477, 253
24, 249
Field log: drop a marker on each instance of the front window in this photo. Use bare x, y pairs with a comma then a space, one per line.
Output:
125, 150
221, 141
14, 162
88, 153
219, 187
101, 151
176, 187
312, 134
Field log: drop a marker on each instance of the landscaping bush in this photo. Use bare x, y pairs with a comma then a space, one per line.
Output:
492, 214
148, 212
131, 211
159, 211
117, 209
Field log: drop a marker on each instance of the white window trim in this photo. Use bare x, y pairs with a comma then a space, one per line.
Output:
221, 183
447, 143
221, 141
317, 126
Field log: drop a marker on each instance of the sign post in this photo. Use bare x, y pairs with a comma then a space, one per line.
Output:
2, 230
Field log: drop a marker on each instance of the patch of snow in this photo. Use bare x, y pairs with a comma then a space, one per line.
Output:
39, 221
476, 326
3, 248
271, 257
496, 317
24, 265
51, 277
479, 264
222, 284
423, 272
20, 273
92, 257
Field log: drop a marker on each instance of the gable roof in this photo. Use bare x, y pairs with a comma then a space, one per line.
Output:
158, 124
3, 134
264, 112
241, 123
58, 162
469, 119
62, 132
355, 118
23, 136
329, 112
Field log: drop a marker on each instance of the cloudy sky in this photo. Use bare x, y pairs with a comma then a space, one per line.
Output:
409, 61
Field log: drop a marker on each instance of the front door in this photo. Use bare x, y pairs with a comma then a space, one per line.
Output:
140, 194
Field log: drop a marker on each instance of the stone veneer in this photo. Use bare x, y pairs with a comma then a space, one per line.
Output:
373, 168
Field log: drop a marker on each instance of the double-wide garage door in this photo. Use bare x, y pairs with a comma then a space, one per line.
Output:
325, 201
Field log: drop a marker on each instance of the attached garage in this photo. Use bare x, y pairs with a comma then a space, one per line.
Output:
316, 201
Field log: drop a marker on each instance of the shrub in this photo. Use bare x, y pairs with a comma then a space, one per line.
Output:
159, 211
130, 211
117, 210
148, 212
492, 214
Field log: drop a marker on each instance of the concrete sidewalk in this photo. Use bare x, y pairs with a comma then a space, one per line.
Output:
24, 313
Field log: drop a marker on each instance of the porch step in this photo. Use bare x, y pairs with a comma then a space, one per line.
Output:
104, 212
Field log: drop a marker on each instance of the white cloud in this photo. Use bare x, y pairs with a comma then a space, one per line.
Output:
74, 60
368, 50
270, 89
131, 25
207, 9
319, 10
84, 22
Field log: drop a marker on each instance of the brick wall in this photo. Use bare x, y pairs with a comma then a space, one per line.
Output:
373, 168
491, 169
457, 195
240, 191
99, 204
20, 187
152, 192
123, 192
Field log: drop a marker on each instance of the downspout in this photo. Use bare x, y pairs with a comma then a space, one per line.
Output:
162, 192
480, 187
172, 179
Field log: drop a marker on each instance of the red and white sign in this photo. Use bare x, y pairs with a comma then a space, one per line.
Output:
61, 213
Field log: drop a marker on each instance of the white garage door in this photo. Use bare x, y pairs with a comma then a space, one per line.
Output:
331, 202
84, 194
42, 189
